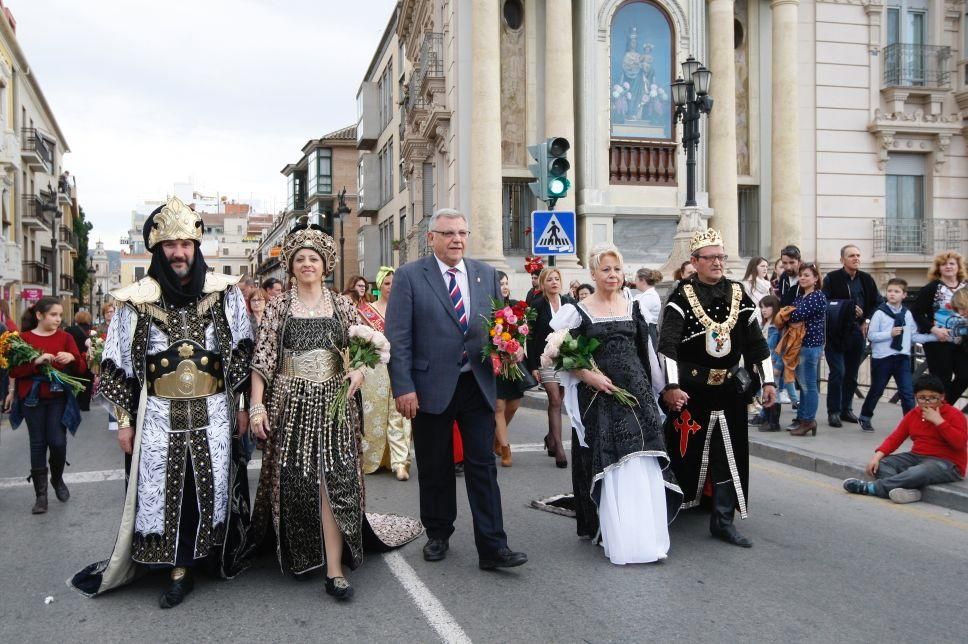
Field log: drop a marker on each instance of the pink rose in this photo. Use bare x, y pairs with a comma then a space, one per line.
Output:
523, 329
507, 312
498, 329
511, 319
496, 341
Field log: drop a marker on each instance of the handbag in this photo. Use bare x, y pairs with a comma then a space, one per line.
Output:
526, 381
746, 385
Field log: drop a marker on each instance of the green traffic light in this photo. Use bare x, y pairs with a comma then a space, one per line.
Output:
558, 186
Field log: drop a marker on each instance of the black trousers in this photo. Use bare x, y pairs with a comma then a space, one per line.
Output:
46, 431
434, 446
950, 363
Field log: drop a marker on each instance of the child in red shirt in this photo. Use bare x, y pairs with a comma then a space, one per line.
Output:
44, 405
939, 454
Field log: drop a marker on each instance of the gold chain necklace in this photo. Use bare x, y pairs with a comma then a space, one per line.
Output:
718, 328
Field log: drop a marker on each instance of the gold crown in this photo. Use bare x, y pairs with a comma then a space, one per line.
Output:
174, 221
703, 238
313, 239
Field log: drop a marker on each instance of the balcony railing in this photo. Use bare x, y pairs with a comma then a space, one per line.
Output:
33, 212
916, 66
642, 164
919, 237
68, 236
36, 273
431, 66
35, 149
67, 282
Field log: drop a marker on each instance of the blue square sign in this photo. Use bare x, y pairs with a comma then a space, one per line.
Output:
553, 232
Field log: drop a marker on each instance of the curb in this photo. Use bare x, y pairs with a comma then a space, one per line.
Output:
946, 496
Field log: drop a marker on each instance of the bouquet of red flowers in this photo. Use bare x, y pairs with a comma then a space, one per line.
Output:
508, 327
533, 264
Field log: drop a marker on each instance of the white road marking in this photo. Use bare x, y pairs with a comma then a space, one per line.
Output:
437, 616
96, 476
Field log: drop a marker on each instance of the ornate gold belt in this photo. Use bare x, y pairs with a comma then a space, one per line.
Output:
318, 365
185, 371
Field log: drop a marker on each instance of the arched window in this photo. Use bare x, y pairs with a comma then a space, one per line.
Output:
640, 98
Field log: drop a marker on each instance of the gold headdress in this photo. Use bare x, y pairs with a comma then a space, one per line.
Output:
703, 238
174, 221
313, 238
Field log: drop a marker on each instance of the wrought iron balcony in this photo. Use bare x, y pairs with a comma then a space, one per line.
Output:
67, 236
33, 216
917, 66
35, 150
919, 237
66, 282
431, 66
36, 273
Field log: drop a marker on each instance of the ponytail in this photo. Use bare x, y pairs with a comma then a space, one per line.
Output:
28, 321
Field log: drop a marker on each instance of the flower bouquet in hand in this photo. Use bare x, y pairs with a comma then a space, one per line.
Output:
14, 351
367, 348
566, 353
95, 350
508, 328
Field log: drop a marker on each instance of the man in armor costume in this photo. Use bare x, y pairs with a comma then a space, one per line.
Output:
175, 363
708, 328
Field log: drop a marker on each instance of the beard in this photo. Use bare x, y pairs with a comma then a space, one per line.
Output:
183, 269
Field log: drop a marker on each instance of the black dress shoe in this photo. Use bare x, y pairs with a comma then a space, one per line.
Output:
178, 589
848, 416
503, 558
834, 420
435, 549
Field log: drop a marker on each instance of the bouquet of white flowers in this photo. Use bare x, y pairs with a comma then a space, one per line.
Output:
566, 353
367, 348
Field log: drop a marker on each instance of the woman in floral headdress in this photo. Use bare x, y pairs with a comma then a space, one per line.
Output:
386, 433
311, 485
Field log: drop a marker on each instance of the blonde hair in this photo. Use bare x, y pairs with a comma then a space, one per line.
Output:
600, 252
545, 272
942, 258
959, 301
106, 306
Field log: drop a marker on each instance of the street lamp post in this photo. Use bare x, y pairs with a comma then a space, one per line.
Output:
51, 207
91, 276
691, 97
100, 298
342, 210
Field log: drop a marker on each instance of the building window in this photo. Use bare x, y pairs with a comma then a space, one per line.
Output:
904, 205
513, 14
400, 170
139, 273
749, 220
402, 245
386, 242
641, 72
517, 203
386, 172
385, 90
296, 198
321, 171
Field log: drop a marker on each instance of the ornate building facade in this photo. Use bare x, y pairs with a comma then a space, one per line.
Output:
834, 122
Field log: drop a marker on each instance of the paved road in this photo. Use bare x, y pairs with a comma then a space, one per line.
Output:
827, 567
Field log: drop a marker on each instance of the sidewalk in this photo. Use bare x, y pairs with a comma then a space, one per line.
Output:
840, 453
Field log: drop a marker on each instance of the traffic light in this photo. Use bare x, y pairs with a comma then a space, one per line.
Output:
550, 169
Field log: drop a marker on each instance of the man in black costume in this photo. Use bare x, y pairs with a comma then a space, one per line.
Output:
708, 326
175, 362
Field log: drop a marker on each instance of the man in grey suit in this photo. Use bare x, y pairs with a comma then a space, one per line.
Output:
436, 335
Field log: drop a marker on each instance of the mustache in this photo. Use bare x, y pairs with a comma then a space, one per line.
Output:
181, 272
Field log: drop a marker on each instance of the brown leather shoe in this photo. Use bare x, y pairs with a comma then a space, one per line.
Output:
806, 427
505, 456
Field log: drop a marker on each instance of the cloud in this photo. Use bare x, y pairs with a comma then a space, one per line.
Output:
225, 92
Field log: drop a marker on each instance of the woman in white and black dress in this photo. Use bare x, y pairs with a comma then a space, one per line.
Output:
625, 492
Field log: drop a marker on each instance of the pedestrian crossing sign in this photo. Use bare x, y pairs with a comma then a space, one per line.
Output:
553, 232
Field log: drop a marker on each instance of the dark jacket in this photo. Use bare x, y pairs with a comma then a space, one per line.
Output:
787, 291
540, 329
923, 309
835, 287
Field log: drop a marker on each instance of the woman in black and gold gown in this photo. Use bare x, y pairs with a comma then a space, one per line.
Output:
311, 485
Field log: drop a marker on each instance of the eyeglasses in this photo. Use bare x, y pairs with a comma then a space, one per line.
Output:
450, 234
713, 258
929, 399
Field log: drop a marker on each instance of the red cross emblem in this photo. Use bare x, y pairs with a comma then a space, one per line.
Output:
686, 425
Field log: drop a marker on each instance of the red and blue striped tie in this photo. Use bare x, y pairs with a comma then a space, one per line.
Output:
458, 300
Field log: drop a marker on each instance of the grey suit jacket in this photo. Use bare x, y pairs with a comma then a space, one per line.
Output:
426, 341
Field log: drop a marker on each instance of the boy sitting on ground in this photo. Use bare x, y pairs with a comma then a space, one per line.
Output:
939, 454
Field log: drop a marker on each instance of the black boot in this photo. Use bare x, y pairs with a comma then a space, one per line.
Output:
39, 477
772, 422
181, 584
721, 520
57, 480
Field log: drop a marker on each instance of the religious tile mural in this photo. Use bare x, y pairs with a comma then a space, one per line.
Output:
641, 72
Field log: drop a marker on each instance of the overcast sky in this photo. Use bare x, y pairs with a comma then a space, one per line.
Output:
220, 92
